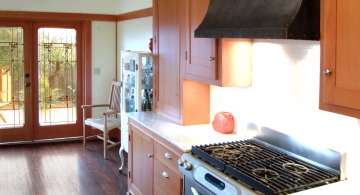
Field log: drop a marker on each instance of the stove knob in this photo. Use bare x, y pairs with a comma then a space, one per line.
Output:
181, 161
187, 166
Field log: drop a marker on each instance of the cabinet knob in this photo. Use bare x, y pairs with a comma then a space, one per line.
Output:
165, 175
149, 155
168, 156
327, 72
211, 58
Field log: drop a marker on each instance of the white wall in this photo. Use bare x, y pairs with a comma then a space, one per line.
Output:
103, 58
67, 6
124, 6
135, 34
285, 95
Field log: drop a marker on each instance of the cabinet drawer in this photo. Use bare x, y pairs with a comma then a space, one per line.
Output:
166, 181
166, 156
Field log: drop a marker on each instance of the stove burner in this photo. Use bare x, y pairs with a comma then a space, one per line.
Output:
223, 152
250, 148
264, 173
295, 168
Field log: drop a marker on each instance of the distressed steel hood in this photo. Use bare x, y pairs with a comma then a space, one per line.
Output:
268, 19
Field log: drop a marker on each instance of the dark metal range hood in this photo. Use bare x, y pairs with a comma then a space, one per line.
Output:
267, 19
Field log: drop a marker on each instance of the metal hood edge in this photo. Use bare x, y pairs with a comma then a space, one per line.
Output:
263, 19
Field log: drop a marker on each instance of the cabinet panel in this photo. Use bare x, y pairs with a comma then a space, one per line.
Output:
141, 166
166, 185
340, 90
222, 62
202, 59
167, 60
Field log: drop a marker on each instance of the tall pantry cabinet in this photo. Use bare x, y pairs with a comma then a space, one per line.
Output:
340, 59
184, 101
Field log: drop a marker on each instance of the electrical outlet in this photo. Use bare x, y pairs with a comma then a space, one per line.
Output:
96, 71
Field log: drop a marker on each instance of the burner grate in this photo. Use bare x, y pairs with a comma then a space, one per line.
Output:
278, 178
227, 153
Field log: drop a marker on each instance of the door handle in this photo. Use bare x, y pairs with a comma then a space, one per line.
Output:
27, 84
27, 75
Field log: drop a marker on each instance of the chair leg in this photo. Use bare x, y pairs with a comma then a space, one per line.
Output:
84, 136
105, 144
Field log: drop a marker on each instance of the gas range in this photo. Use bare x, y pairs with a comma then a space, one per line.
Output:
270, 163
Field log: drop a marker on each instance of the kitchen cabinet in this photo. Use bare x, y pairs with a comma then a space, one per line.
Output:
340, 59
183, 101
221, 62
152, 163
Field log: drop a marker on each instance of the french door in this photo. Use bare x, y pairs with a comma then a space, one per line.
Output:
41, 80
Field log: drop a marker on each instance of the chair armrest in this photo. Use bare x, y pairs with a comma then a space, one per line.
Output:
95, 105
109, 112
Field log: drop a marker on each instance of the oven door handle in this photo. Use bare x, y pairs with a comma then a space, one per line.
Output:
194, 191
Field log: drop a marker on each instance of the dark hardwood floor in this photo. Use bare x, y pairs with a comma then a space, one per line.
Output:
61, 168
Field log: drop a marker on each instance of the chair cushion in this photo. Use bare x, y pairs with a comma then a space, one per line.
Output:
98, 123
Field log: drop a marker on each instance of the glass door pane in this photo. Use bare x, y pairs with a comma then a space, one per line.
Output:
11, 77
57, 71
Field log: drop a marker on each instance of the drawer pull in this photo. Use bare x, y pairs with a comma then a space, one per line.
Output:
168, 156
165, 175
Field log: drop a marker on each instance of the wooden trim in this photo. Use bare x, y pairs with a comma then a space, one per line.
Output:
34, 16
31, 16
135, 14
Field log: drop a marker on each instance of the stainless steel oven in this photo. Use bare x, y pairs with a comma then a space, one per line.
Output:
270, 163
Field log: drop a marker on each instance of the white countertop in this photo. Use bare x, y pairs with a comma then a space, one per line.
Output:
182, 137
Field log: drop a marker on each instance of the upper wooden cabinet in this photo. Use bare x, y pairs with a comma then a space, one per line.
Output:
340, 59
183, 101
221, 62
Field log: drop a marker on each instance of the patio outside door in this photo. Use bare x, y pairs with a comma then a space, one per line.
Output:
15, 98
43, 89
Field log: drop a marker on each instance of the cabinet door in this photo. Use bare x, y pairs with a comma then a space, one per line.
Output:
140, 161
340, 44
167, 56
201, 60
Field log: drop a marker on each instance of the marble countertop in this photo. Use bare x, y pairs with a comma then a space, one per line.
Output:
183, 137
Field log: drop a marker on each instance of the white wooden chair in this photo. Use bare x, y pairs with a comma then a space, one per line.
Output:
108, 121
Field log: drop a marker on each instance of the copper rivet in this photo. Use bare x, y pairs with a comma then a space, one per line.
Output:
281, 34
231, 34
254, 34
267, 34
304, 35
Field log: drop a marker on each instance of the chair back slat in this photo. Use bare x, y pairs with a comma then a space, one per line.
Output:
115, 97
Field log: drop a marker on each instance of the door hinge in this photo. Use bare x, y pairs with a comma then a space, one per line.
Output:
129, 174
121, 84
129, 137
185, 55
154, 39
137, 67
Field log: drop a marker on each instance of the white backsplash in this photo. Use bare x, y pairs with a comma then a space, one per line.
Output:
285, 95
